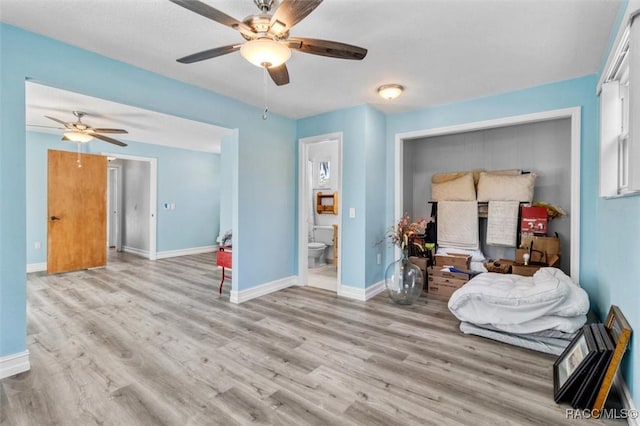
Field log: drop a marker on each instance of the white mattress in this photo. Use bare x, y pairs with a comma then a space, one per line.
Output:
548, 345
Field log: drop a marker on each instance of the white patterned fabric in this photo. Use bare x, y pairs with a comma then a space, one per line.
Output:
458, 224
502, 223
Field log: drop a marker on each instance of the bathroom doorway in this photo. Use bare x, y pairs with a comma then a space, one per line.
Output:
319, 221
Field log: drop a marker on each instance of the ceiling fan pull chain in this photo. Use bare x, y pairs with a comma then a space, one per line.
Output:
265, 84
78, 160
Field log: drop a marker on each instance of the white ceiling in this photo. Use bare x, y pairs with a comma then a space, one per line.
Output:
441, 50
142, 125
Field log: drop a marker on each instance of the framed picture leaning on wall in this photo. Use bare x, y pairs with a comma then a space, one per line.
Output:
573, 365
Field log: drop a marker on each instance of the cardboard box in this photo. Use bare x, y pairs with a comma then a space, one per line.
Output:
500, 266
458, 261
443, 287
420, 262
548, 245
524, 270
439, 272
534, 220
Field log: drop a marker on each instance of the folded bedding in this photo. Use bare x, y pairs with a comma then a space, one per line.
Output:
547, 301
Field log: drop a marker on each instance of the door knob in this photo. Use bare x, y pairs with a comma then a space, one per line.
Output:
54, 218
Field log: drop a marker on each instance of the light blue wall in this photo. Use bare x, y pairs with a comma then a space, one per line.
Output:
609, 228
616, 230
352, 123
265, 160
376, 193
228, 165
363, 187
189, 179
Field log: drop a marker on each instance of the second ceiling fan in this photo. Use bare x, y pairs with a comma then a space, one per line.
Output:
268, 43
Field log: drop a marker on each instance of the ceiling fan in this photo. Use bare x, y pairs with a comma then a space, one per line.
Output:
268, 43
80, 132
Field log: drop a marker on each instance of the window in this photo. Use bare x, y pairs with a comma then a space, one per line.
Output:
620, 137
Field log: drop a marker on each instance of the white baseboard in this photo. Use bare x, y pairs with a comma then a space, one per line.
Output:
36, 267
136, 251
362, 294
185, 252
627, 400
262, 289
374, 290
11, 365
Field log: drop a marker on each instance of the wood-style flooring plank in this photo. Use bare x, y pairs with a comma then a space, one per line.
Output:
153, 343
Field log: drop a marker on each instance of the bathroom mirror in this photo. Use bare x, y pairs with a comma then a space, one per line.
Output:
327, 203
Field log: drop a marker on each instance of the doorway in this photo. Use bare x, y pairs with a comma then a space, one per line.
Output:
114, 224
319, 230
132, 210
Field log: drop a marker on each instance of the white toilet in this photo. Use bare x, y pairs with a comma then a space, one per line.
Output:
317, 248
316, 253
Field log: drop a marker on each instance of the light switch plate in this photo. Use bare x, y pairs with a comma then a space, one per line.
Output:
352, 212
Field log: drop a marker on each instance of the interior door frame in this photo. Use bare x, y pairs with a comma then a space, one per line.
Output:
153, 197
573, 113
303, 206
118, 198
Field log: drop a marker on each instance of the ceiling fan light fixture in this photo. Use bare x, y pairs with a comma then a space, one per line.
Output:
265, 53
390, 91
78, 137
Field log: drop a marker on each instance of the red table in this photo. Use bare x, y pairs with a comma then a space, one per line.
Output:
223, 259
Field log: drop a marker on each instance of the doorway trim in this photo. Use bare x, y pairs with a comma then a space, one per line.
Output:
153, 197
117, 168
573, 113
303, 206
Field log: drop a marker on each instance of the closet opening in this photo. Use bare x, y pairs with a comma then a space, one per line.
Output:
493, 145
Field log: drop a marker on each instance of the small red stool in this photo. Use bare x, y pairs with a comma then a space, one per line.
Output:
223, 259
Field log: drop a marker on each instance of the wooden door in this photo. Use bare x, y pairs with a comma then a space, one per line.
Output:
77, 209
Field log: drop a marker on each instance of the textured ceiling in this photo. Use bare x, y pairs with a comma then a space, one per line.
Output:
442, 51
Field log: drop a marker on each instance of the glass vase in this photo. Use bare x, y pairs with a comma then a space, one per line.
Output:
403, 281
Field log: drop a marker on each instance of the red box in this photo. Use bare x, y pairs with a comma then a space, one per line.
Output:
534, 220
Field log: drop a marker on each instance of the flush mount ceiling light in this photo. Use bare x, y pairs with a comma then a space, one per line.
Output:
264, 52
390, 91
78, 137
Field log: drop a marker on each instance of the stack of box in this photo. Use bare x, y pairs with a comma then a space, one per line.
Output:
441, 281
543, 252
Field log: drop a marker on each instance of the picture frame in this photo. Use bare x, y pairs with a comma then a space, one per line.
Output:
588, 390
575, 362
620, 332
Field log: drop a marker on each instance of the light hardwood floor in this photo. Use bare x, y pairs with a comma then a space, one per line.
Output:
151, 343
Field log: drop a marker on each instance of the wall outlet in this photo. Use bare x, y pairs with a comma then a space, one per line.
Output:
379, 258
37, 245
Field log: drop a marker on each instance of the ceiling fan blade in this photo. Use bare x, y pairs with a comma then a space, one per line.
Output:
107, 139
332, 49
279, 74
290, 12
46, 127
64, 123
215, 15
110, 131
64, 138
208, 54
